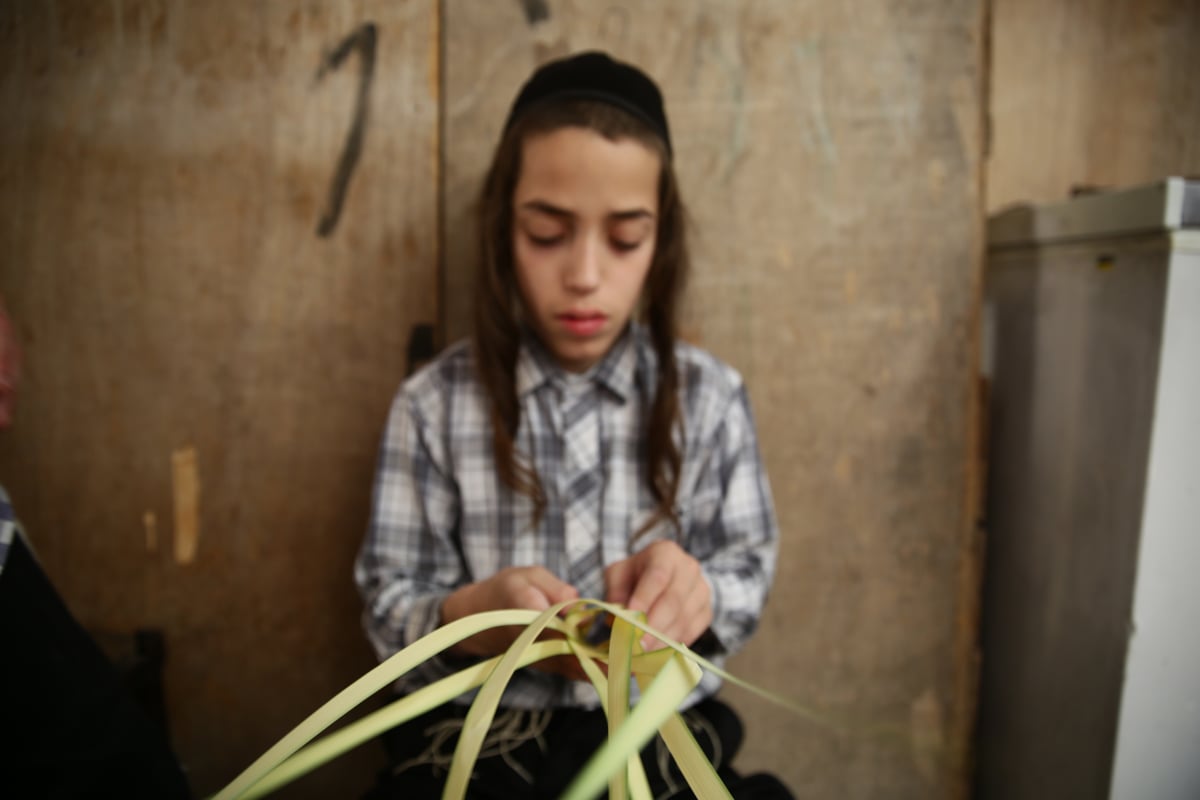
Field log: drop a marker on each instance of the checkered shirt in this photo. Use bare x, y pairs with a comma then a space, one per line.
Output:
8, 527
441, 517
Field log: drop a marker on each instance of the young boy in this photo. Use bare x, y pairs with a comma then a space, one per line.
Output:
574, 447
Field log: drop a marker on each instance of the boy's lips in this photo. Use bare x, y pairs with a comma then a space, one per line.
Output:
583, 323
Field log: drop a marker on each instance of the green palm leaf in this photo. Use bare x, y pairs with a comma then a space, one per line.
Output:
666, 677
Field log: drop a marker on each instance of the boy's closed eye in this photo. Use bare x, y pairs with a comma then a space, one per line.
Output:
623, 244
546, 241
628, 235
544, 230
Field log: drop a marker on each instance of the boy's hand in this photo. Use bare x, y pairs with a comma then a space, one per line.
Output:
666, 583
534, 588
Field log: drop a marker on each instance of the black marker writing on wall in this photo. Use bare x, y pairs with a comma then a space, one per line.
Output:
535, 11
363, 40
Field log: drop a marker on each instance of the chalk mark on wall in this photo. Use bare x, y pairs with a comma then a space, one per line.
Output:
363, 40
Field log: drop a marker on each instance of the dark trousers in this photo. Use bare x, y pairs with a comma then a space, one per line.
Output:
68, 727
542, 766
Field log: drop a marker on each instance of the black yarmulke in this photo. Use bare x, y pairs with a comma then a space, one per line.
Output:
595, 76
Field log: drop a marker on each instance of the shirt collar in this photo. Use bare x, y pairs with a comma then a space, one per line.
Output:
616, 372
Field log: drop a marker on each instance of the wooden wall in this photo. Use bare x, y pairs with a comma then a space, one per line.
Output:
1091, 93
206, 375
831, 156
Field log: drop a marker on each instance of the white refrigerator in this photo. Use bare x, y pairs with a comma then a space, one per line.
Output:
1090, 633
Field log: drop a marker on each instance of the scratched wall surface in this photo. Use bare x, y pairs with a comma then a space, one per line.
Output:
1092, 93
206, 377
830, 153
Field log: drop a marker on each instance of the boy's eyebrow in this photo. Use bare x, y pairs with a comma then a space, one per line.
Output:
634, 213
546, 208
562, 213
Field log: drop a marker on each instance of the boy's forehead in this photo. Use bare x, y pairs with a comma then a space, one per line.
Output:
572, 166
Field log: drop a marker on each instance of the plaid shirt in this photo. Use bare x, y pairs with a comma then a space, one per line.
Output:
441, 517
8, 527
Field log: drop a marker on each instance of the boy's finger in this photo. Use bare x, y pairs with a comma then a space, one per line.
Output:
618, 581
651, 584
664, 614
530, 596
564, 592
555, 589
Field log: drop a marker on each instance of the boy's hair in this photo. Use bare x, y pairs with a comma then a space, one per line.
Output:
499, 311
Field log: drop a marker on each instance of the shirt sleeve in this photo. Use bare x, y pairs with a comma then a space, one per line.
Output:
739, 539
8, 527
409, 561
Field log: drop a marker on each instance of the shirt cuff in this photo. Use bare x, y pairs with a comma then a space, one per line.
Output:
424, 617
734, 615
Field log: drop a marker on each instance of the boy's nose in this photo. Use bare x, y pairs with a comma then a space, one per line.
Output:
583, 269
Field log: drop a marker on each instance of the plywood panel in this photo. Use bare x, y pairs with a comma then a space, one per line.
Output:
831, 156
1092, 93
206, 374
